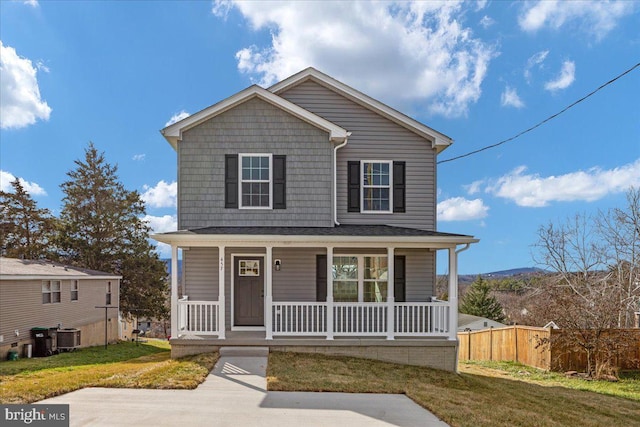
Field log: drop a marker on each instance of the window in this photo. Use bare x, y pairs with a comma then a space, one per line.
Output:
376, 186
74, 290
345, 278
108, 298
255, 181
249, 268
360, 278
50, 291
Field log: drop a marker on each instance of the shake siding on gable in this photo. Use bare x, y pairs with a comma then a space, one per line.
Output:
375, 138
254, 127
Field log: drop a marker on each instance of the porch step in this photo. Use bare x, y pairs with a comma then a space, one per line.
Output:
244, 351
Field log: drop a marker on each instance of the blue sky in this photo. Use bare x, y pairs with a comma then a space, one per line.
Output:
116, 72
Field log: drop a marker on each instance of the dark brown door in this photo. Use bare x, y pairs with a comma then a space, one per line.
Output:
248, 292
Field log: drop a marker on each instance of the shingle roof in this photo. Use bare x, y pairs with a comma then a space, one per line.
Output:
21, 267
340, 230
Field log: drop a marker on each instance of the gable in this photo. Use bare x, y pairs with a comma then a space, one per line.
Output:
173, 133
438, 140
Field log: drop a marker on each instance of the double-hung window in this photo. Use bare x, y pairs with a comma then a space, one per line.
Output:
361, 278
255, 181
376, 186
50, 291
74, 290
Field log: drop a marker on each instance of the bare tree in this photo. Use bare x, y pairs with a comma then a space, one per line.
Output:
620, 231
594, 285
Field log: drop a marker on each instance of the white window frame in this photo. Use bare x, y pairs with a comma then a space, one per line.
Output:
108, 295
361, 279
241, 181
48, 289
362, 186
75, 289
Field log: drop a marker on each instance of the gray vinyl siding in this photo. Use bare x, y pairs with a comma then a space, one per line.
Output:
200, 269
375, 138
21, 306
254, 127
296, 280
420, 274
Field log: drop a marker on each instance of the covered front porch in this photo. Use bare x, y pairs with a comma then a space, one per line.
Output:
276, 281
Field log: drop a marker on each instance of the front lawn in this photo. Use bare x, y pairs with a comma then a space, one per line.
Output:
126, 364
478, 396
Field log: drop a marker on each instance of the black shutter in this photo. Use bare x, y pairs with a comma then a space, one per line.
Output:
399, 193
321, 278
353, 190
231, 181
399, 278
279, 182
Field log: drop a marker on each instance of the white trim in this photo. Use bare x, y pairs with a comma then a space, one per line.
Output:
439, 141
47, 277
390, 186
232, 321
173, 133
240, 181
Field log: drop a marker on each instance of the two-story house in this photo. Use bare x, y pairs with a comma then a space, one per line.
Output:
307, 222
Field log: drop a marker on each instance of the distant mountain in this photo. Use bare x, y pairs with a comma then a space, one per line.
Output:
168, 262
514, 272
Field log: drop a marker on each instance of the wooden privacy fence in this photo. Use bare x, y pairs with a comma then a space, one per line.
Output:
513, 343
537, 347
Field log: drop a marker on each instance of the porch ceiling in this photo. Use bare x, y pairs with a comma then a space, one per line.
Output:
343, 235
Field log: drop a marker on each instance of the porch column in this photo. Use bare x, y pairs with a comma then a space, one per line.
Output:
174, 292
391, 325
453, 294
268, 270
329, 292
221, 298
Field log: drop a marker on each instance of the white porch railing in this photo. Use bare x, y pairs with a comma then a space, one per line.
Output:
198, 317
411, 319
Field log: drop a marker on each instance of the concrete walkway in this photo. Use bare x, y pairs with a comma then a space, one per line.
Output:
235, 394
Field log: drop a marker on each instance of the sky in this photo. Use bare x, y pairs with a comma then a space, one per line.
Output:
115, 73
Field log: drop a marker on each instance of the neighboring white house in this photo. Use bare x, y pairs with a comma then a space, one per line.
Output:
468, 322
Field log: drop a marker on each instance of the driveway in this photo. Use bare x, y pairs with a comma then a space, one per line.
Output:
235, 394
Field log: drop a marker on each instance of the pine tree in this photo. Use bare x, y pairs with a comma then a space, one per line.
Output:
102, 229
478, 301
25, 230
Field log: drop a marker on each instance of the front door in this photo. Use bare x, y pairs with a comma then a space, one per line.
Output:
248, 292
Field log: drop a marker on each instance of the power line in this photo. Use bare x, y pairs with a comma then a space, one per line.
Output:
542, 122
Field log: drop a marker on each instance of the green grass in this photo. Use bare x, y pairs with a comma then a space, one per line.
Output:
478, 396
146, 365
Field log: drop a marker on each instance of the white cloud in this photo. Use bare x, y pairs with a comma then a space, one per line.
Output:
595, 18
510, 98
162, 224
461, 209
176, 118
6, 178
474, 187
537, 59
32, 3
486, 22
163, 195
420, 46
20, 103
531, 190
138, 157
565, 78
481, 4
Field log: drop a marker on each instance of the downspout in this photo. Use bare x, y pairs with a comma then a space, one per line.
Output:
335, 178
466, 246
454, 310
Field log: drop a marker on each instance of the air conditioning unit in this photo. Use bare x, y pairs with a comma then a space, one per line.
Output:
68, 339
